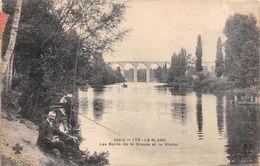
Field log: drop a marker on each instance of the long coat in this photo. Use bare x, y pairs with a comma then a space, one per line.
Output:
46, 132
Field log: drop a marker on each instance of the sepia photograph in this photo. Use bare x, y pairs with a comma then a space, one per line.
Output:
130, 82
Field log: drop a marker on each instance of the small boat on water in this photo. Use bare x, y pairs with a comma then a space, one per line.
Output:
124, 85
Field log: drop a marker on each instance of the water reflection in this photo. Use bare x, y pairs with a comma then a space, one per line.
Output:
84, 103
199, 115
98, 106
179, 110
210, 129
98, 103
161, 89
242, 133
220, 113
99, 90
178, 91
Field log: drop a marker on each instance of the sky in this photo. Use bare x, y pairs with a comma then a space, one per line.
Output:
161, 27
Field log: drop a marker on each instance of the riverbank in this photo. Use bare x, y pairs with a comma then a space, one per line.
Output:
213, 85
24, 133
17, 130
203, 83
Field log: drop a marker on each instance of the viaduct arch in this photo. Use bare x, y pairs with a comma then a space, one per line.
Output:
135, 64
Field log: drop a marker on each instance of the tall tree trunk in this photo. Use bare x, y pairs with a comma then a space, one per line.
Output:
1, 73
11, 45
8, 55
9, 72
1, 6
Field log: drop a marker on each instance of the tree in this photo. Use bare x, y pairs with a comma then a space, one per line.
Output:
242, 50
12, 40
164, 77
7, 61
250, 63
219, 62
141, 75
49, 43
129, 75
198, 54
161, 74
119, 76
180, 64
171, 72
158, 73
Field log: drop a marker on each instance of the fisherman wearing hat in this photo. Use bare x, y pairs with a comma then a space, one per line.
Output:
66, 102
46, 138
49, 137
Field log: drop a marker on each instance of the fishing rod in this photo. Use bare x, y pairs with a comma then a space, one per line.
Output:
73, 89
98, 124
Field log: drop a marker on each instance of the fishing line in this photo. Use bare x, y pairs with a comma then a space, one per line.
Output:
98, 124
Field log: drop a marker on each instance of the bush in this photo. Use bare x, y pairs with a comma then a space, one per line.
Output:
99, 159
211, 84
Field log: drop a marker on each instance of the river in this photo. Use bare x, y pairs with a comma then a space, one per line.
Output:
161, 126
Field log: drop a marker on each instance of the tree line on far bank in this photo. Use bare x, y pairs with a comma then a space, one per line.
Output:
236, 64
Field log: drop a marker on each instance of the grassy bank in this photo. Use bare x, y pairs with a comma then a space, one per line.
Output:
212, 85
15, 129
25, 133
209, 84
205, 82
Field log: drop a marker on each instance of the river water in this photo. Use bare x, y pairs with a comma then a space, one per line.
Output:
162, 126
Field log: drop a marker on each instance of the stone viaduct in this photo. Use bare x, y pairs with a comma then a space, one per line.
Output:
135, 65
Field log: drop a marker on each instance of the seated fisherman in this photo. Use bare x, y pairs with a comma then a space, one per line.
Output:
47, 139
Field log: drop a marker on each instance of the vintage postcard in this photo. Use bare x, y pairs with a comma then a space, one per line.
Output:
130, 82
